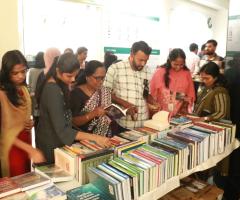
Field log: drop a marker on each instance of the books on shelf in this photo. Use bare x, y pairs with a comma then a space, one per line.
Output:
54, 173
8, 187
30, 180
77, 158
194, 189
114, 111
50, 192
159, 121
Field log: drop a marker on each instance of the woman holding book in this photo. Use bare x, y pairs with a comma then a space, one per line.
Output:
213, 101
172, 86
89, 100
15, 105
55, 123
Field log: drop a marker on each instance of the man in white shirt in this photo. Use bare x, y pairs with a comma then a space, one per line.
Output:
192, 60
129, 81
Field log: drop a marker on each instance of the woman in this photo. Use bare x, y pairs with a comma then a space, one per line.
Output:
55, 127
15, 106
213, 102
172, 86
89, 99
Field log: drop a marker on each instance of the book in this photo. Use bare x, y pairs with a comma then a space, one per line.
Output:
50, 192
53, 172
115, 112
180, 120
106, 183
8, 187
16, 196
30, 180
87, 192
159, 121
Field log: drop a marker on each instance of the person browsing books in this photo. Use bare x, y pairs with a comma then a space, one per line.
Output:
172, 86
89, 99
213, 101
129, 82
15, 106
55, 123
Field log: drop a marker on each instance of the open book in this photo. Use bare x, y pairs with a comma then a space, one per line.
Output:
159, 121
115, 112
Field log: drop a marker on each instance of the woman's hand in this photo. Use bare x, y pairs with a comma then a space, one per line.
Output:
36, 156
98, 112
28, 125
102, 141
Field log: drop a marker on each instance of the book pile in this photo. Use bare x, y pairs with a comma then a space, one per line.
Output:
148, 166
29, 186
76, 159
194, 189
134, 135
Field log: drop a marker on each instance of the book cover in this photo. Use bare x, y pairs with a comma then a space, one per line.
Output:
53, 172
30, 180
8, 187
115, 112
180, 120
107, 184
50, 192
87, 192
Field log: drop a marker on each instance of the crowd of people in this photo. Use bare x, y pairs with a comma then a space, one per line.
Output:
67, 97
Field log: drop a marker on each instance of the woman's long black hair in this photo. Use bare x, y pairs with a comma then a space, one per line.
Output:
173, 55
66, 63
211, 68
9, 60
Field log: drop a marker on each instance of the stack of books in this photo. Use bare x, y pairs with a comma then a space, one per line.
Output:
76, 159
29, 186
194, 189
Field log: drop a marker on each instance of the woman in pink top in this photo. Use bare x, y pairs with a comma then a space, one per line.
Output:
172, 85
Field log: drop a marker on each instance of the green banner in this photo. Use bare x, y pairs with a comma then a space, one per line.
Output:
232, 53
123, 50
234, 17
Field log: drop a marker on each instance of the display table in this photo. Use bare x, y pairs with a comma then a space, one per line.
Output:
173, 182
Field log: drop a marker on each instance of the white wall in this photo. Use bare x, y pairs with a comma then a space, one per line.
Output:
9, 33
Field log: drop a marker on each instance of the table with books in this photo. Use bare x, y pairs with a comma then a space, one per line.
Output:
142, 164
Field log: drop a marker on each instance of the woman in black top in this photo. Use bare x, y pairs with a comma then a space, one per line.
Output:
55, 127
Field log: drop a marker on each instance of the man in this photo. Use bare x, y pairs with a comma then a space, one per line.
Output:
81, 56
129, 81
193, 59
210, 55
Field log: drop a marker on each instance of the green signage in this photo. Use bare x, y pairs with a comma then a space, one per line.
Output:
123, 50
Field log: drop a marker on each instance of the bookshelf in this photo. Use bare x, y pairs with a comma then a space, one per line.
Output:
174, 182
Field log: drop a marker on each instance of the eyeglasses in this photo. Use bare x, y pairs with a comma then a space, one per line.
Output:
99, 78
15, 73
145, 88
